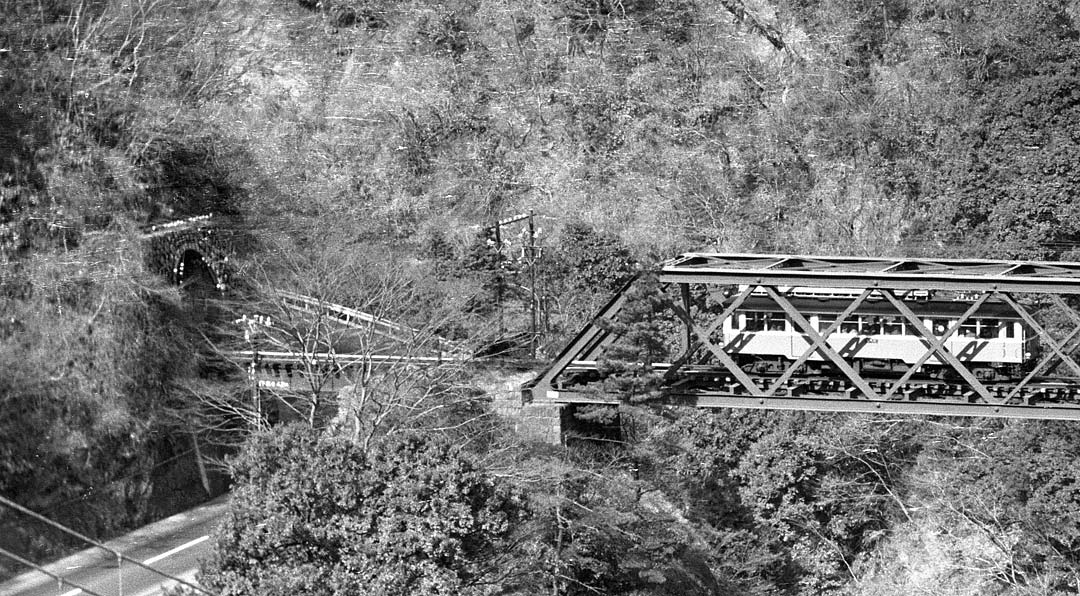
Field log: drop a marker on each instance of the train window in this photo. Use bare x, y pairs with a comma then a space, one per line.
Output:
764, 321
759, 321
824, 322
850, 325
869, 325
1010, 329
989, 328
754, 321
892, 326
969, 328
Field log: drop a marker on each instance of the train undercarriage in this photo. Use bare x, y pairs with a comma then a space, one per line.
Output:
818, 381
1040, 391
879, 368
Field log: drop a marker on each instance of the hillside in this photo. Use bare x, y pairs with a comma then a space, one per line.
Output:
364, 145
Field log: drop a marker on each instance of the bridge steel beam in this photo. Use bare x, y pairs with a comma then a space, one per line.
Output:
854, 272
592, 338
705, 373
712, 400
328, 371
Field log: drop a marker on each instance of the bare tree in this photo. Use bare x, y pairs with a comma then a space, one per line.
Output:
362, 340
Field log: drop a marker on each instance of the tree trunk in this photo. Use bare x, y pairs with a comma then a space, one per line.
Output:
200, 464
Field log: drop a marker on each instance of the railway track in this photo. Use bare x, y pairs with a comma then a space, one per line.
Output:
1040, 391
1045, 391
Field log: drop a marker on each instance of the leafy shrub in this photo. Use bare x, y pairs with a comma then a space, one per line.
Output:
318, 515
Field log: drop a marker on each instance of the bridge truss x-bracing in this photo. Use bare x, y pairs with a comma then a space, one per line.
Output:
703, 290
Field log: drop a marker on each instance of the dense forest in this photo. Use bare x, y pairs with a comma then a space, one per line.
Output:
363, 147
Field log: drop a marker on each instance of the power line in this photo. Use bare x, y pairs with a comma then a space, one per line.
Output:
19, 559
87, 539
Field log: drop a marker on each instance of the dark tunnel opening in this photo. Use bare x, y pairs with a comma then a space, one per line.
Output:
196, 278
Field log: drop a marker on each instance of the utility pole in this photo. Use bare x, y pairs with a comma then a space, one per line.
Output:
534, 335
499, 274
531, 254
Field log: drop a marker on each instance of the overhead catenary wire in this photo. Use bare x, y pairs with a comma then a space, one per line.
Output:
120, 556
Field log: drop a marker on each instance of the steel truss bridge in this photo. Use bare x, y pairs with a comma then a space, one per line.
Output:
703, 290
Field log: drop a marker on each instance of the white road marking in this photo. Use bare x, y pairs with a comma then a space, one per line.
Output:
172, 552
151, 560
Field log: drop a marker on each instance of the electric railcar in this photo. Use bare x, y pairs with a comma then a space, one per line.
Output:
994, 343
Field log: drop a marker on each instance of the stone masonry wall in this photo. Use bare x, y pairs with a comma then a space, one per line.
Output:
533, 421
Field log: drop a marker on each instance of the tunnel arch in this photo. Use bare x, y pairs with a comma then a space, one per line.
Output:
199, 259
179, 253
194, 273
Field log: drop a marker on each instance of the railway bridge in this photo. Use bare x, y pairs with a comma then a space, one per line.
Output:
704, 302
364, 341
700, 297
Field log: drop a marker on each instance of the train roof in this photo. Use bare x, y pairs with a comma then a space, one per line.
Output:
922, 308
959, 275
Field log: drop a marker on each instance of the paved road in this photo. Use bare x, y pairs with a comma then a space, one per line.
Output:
173, 545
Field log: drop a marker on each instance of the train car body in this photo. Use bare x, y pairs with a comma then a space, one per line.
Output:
994, 342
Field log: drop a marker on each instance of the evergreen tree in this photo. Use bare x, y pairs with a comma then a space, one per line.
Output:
311, 515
